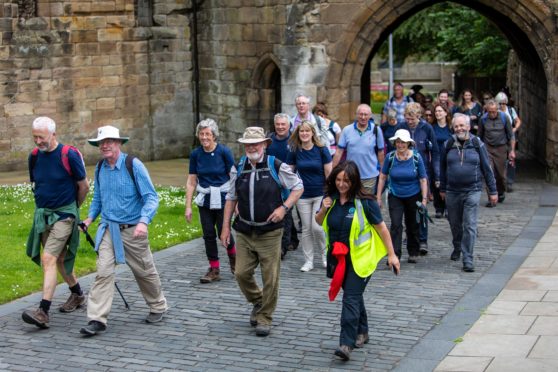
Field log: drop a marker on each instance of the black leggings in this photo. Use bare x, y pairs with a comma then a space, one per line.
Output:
209, 219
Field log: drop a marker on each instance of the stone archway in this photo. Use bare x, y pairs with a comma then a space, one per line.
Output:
264, 95
529, 26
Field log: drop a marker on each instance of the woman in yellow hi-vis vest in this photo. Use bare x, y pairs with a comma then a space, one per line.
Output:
357, 238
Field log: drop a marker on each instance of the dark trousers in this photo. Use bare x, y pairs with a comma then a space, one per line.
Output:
498, 161
354, 319
399, 208
210, 219
289, 232
439, 203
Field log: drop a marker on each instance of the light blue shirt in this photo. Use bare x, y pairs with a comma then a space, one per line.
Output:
117, 198
119, 201
360, 148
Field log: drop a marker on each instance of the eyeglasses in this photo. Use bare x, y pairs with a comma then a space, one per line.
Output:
502, 103
427, 114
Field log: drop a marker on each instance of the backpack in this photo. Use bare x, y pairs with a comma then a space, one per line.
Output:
322, 131
273, 165
63, 157
503, 118
451, 141
129, 166
331, 123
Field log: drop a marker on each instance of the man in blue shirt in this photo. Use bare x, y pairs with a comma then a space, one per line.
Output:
126, 207
364, 144
398, 103
60, 186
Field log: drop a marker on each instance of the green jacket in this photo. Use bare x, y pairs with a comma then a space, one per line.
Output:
39, 226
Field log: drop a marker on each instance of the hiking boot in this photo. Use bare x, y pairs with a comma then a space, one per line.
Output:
37, 317
232, 262
412, 259
93, 327
72, 303
253, 315
501, 198
292, 247
361, 339
212, 275
343, 352
262, 330
154, 317
455, 255
423, 250
468, 268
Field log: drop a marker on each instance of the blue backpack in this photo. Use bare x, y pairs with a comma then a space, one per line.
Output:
273, 166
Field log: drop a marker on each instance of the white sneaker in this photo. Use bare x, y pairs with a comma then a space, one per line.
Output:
307, 266
324, 260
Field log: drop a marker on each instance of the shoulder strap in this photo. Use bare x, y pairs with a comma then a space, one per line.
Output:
318, 121
391, 160
65, 158
32, 162
274, 164
449, 144
240, 166
129, 162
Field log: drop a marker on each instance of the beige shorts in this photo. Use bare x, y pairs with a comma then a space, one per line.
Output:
55, 237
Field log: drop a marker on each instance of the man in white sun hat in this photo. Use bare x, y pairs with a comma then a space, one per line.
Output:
258, 188
126, 199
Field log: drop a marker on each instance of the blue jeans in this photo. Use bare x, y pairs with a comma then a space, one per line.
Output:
462, 214
354, 319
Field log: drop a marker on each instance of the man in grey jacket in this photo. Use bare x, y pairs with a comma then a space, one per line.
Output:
463, 161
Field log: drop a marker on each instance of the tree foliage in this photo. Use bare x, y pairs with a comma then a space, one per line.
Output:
451, 32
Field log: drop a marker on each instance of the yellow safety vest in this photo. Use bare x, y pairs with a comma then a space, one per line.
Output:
365, 245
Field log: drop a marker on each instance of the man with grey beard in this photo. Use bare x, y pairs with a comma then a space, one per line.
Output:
464, 163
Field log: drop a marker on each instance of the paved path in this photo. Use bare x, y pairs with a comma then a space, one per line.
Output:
414, 318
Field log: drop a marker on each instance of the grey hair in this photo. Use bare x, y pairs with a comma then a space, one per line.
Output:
299, 95
459, 115
392, 113
44, 122
501, 98
281, 115
491, 102
208, 123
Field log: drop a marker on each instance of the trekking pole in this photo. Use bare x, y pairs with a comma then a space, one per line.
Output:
90, 240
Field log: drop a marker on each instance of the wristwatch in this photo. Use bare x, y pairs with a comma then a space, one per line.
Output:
285, 206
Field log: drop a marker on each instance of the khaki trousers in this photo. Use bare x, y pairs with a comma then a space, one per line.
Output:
498, 160
264, 249
140, 260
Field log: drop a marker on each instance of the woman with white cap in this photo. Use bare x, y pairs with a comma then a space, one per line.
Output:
407, 185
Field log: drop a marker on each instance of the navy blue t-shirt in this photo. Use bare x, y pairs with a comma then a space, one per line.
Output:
54, 187
310, 166
442, 135
404, 176
278, 147
211, 168
340, 218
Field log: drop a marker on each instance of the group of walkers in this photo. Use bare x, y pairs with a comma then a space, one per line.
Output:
307, 174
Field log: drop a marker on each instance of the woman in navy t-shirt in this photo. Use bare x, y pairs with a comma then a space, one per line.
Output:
312, 161
407, 185
210, 166
443, 131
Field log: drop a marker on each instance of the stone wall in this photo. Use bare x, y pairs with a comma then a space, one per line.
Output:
87, 63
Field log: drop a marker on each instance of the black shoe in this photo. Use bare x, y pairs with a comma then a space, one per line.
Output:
343, 352
501, 198
412, 259
469, 269
262, 330
490, 205
455, 255
423, 250
93, 327
509, 188
439, 214
283, 254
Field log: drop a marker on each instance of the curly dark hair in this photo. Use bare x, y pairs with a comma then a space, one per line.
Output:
353, 175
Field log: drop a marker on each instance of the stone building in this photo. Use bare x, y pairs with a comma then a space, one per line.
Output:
153, 67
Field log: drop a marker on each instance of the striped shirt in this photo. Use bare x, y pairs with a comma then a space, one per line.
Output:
117, 198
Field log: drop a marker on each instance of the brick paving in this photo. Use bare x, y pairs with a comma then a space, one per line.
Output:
207, 326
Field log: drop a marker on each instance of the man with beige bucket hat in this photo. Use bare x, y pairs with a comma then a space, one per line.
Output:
258, 186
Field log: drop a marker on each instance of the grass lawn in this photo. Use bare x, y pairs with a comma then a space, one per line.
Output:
19, 276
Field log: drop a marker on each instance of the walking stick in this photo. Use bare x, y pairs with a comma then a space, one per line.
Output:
90, 240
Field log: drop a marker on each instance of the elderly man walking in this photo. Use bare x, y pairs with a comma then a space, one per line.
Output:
126, 199
364, 143
59, 186
495, 130
257, 188
464, 164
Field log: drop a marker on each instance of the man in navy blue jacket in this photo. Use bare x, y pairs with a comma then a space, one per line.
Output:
426, 145
464, 163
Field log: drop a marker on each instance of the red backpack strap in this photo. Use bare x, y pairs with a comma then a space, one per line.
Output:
32, 162
65, 158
